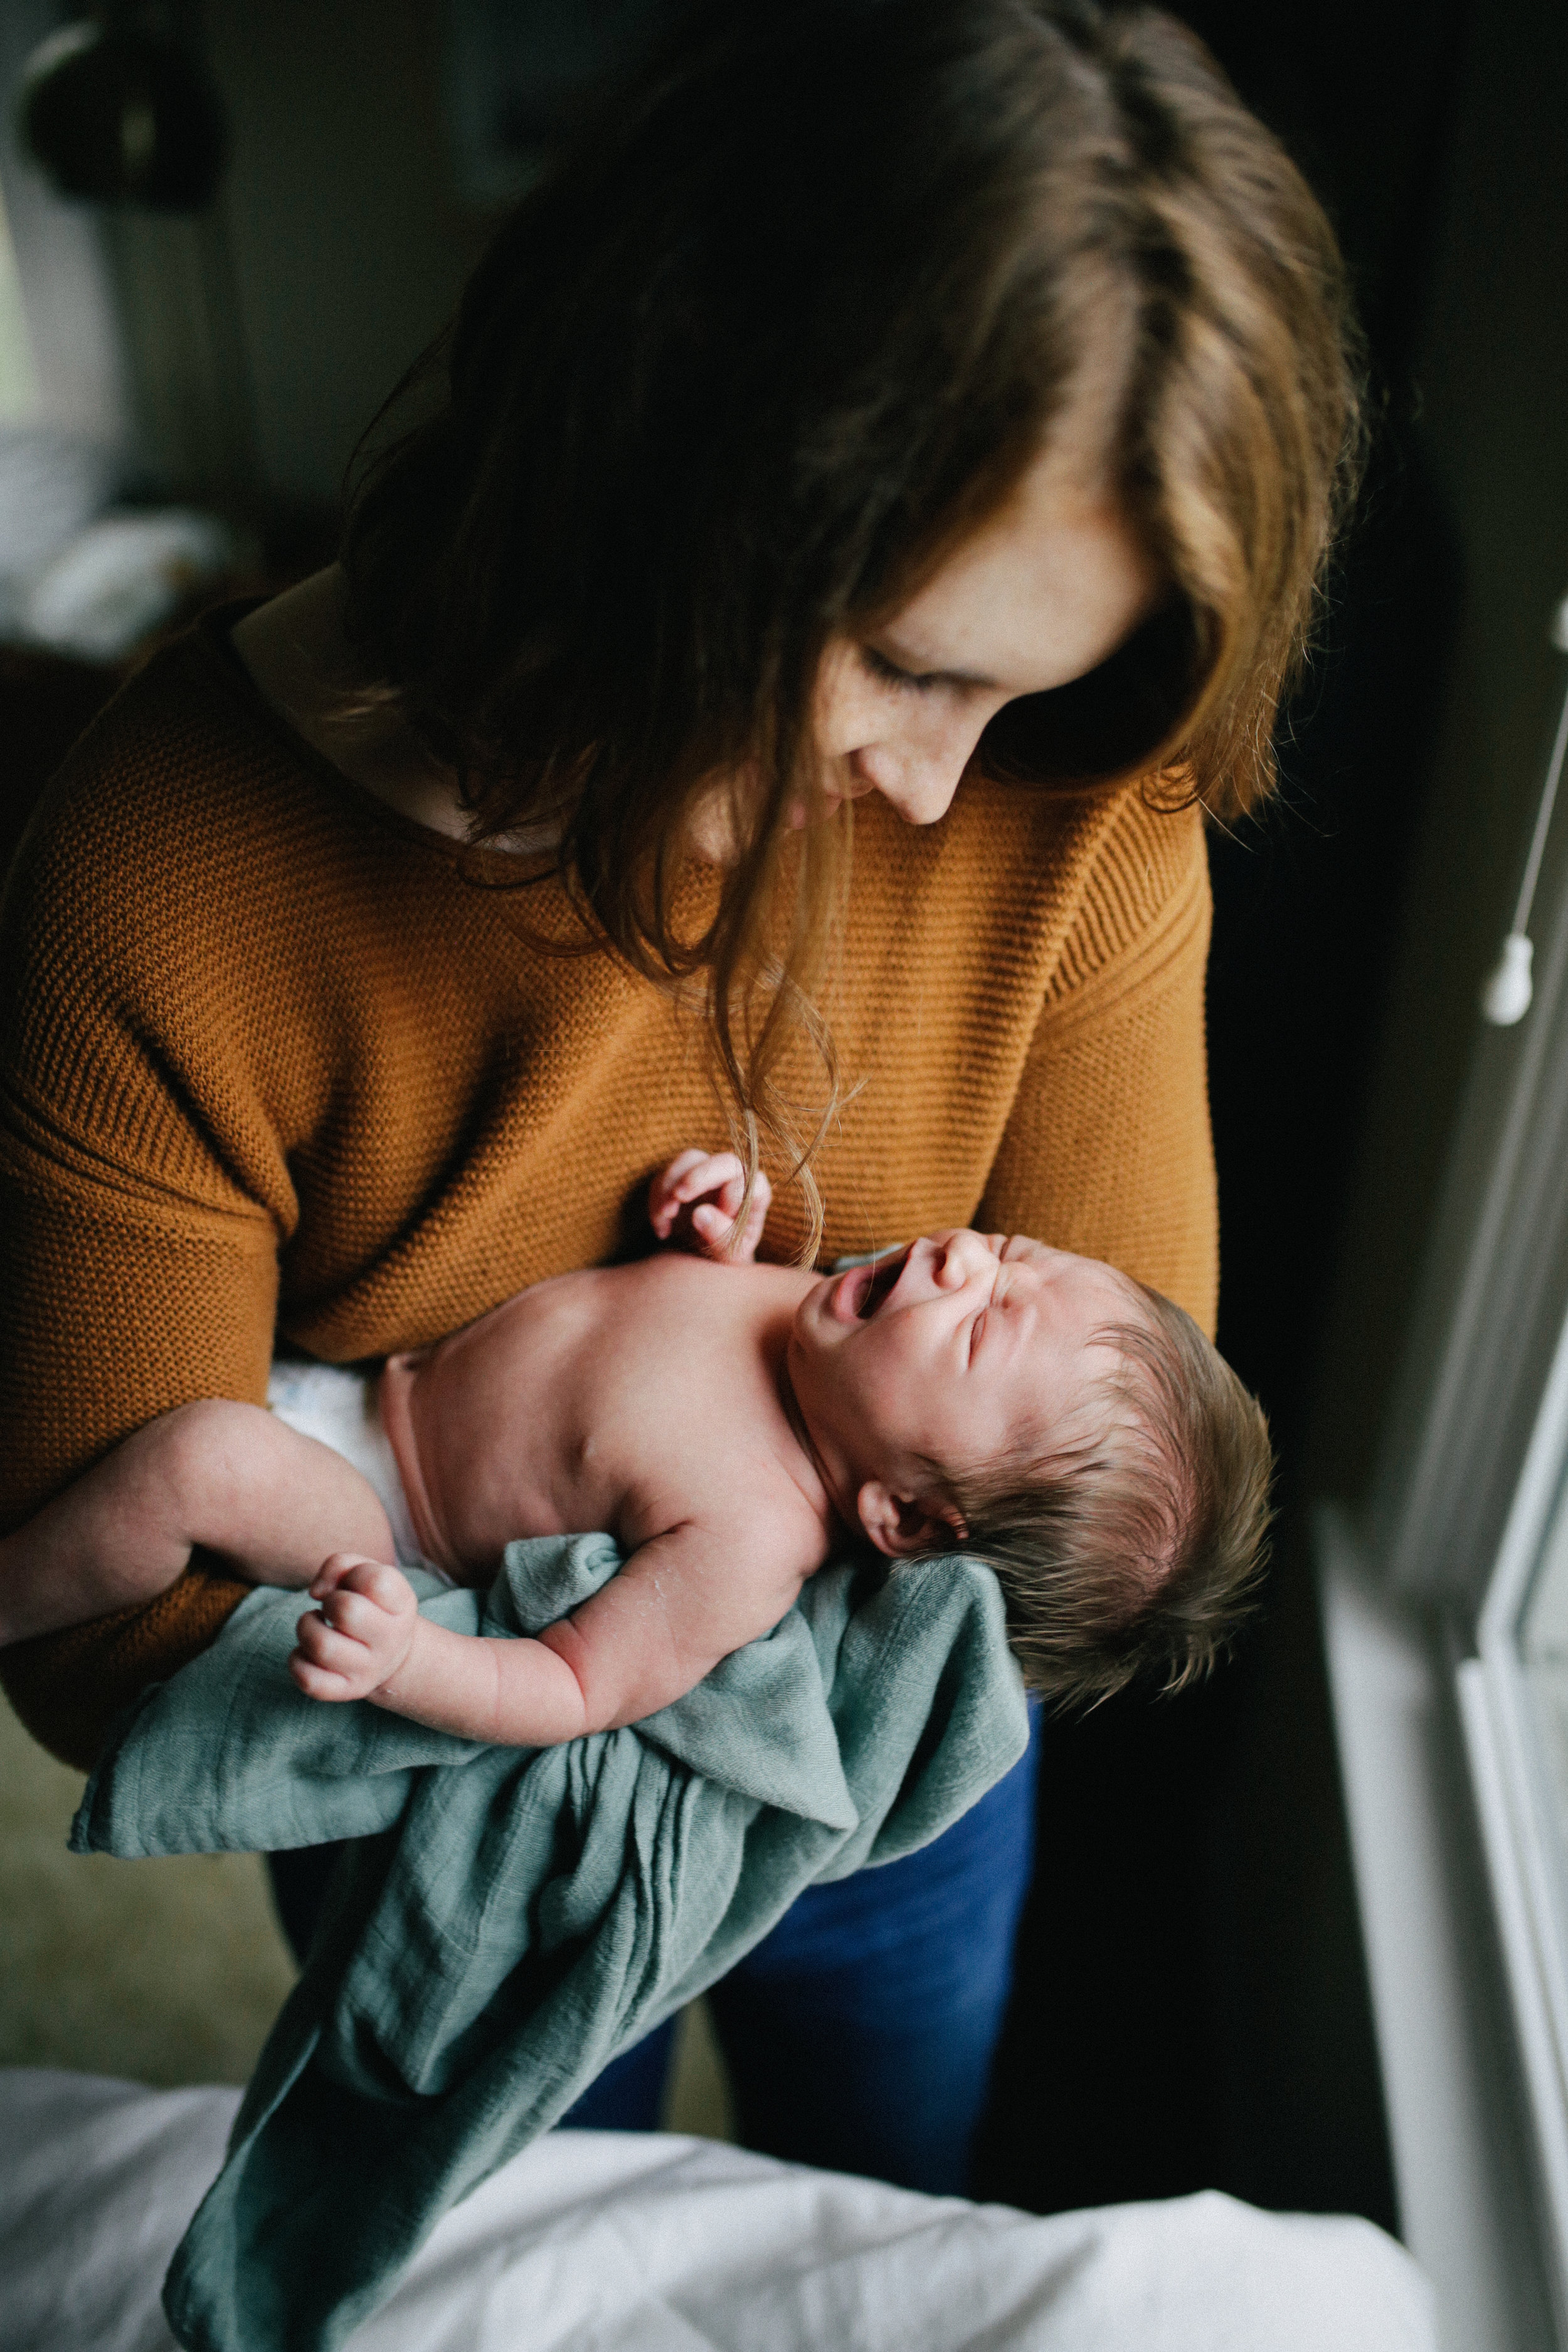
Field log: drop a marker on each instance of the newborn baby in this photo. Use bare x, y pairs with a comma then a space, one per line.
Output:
732, 1425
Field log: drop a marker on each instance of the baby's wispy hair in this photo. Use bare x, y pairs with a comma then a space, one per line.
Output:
1133, 1550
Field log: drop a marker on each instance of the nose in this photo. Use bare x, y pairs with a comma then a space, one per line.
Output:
956, 1256
919, 780
920, 799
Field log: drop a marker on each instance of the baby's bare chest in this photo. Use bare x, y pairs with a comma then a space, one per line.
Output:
596, 1401
653, 1431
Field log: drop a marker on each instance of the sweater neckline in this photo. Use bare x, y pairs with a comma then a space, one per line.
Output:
213, 641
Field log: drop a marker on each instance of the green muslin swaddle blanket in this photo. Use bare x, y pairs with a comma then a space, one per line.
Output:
508, 1919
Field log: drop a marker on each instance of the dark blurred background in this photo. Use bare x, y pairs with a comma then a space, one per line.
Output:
1191, 2008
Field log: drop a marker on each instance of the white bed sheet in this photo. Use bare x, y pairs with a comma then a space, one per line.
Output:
604, 2242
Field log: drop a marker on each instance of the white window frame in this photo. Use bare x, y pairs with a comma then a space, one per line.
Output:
1521, 1836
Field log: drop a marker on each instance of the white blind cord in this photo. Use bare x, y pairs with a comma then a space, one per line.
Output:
1508, 986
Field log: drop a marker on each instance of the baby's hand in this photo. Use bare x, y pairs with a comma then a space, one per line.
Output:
361, 1632
694, 1202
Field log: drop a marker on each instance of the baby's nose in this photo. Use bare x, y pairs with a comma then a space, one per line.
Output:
958, 1256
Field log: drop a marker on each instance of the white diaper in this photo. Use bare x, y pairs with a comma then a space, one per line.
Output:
338, 1408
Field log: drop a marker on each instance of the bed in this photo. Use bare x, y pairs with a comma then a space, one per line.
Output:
603, 2242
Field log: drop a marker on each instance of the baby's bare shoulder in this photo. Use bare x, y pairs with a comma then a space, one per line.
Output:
750, 1515
774, 1533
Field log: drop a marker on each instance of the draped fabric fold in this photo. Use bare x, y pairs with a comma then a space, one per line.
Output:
507, 1920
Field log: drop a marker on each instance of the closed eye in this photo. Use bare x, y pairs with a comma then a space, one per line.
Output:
976, 1325
903, 681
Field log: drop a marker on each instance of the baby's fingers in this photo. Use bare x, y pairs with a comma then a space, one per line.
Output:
715, 1226
665, 1199
321, 1682
329, 1664
323, 1643
708, 1176
726, 1187
350, 1571
761, 1202
361, 1618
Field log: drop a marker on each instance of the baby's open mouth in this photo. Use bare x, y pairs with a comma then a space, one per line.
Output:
880, 1281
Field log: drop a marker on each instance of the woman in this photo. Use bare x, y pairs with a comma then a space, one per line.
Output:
911, 425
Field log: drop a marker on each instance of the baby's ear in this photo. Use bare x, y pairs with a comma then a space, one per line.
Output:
903, 1524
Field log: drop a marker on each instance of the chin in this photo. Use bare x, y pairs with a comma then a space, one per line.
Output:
797, 1348
801, 1332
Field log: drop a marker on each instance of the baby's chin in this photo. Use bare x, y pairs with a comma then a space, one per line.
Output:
801, 1341
800, 1321
815, 1311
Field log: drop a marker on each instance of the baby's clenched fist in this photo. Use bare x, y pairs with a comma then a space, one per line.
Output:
361, 1633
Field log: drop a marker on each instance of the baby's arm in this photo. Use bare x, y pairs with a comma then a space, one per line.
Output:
227, 1478
680, 1604
367, 1640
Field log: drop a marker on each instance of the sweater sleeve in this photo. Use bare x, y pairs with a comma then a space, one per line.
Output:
1106, 1149
137, 1270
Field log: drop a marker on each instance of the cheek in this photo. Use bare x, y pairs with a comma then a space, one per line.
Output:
847, 710
916, 1404
951, 1431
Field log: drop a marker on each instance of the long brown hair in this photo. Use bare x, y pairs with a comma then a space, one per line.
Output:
789, 315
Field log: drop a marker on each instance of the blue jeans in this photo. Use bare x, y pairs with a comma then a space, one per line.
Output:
859, 2034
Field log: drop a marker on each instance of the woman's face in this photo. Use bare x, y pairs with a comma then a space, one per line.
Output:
1042, 594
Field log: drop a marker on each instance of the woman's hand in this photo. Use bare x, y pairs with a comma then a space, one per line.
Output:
694, 1202
362, 1633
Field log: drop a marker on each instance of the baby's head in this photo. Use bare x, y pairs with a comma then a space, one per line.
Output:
1043, 1413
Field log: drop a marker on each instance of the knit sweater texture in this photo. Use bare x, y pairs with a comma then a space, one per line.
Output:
278, 1064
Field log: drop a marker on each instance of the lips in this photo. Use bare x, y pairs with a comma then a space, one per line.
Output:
858, 1295
881, 1281
832, 803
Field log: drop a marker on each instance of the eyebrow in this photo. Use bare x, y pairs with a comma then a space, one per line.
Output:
891, 650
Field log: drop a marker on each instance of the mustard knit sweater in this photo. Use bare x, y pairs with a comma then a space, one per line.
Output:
277, 1061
